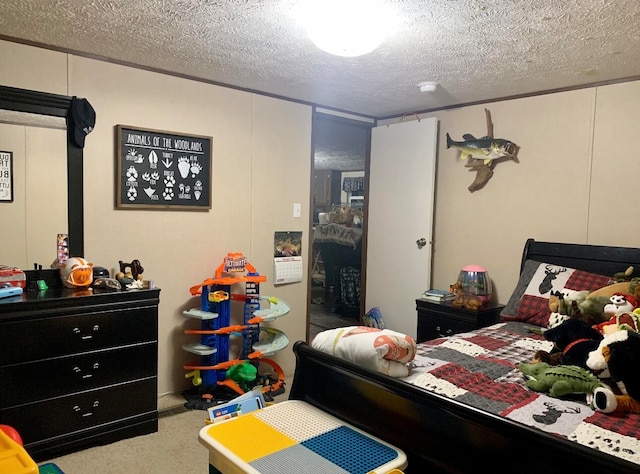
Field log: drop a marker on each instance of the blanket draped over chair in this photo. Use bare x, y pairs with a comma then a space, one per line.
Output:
337, 233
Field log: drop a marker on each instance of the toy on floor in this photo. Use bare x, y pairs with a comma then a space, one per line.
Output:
218, 374
14, 459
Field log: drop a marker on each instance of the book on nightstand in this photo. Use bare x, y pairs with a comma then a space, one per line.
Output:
438, 295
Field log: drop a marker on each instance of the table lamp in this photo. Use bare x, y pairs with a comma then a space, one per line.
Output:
476, 282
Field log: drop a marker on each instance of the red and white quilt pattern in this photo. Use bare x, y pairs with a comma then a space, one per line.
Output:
480, 368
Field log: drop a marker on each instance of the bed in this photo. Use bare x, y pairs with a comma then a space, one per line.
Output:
474, 413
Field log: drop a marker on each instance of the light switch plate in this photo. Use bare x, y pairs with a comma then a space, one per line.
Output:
297, 209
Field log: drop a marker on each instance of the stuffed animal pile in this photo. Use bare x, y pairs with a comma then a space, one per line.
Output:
596, 348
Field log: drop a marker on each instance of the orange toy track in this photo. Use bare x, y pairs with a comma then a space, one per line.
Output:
232, 385
228, 329
225, 330
279, 372
228, 281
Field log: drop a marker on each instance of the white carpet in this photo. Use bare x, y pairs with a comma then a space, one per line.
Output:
174, 449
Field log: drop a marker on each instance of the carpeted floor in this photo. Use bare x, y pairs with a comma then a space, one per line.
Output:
174, 449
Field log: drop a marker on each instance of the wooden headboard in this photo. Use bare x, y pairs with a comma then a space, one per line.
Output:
600, 259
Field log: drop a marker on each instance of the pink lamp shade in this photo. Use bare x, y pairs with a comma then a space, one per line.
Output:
476, 282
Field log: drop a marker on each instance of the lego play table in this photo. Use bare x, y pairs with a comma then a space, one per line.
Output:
293, 436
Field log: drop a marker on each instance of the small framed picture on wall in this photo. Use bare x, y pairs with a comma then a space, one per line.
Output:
6, 176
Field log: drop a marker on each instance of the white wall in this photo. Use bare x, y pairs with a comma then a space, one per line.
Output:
574, 182
261, 149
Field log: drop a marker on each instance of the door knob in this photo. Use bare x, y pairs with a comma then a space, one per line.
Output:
421, 242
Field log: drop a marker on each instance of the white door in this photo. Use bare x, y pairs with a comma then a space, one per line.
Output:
401, 194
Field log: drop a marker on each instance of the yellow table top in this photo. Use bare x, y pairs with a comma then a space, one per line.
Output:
294, 436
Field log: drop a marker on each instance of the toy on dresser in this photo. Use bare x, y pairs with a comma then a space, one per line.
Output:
76, 272
7, 290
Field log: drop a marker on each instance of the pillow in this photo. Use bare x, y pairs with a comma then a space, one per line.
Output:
529, 301
382, 350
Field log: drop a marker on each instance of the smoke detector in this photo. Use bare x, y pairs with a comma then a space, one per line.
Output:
427, 86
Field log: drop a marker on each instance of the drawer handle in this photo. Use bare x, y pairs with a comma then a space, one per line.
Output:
446, 332
85, 337
77, 409
78, 370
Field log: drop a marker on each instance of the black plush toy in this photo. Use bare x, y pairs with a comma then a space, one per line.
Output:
618, 356
573, 340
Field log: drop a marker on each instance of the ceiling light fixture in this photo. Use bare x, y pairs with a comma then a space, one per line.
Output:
427, 86
347, 27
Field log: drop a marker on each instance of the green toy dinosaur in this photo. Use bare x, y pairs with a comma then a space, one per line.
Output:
559, 380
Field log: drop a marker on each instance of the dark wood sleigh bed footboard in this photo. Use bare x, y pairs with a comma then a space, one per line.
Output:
437, 434
440, 434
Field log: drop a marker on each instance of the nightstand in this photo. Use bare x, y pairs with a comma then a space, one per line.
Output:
439, 319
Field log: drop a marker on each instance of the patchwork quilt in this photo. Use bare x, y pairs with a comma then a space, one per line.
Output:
480, 368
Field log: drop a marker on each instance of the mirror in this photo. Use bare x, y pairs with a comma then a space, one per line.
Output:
340, 161
38, 209
55, 107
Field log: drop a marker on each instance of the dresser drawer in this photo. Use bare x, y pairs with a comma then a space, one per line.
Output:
440, 327
46, 419
440, 319
40, 338
34, 381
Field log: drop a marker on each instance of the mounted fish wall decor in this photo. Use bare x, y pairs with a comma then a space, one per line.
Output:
483, 153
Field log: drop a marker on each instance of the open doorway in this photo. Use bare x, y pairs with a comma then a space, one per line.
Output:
341, 148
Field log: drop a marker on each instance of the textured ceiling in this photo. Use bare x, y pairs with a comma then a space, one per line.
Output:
476, 50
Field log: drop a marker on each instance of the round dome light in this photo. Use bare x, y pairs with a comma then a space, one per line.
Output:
347, 27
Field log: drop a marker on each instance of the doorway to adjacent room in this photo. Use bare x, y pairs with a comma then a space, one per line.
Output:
341, 148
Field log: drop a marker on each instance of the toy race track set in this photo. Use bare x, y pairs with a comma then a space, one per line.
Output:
218, 377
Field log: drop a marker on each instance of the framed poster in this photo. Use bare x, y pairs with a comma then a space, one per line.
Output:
162, 170
6, 176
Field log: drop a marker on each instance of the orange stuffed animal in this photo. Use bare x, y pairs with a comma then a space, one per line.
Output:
468, 301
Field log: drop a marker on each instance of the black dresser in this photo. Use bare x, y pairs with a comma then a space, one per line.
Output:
78, 368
